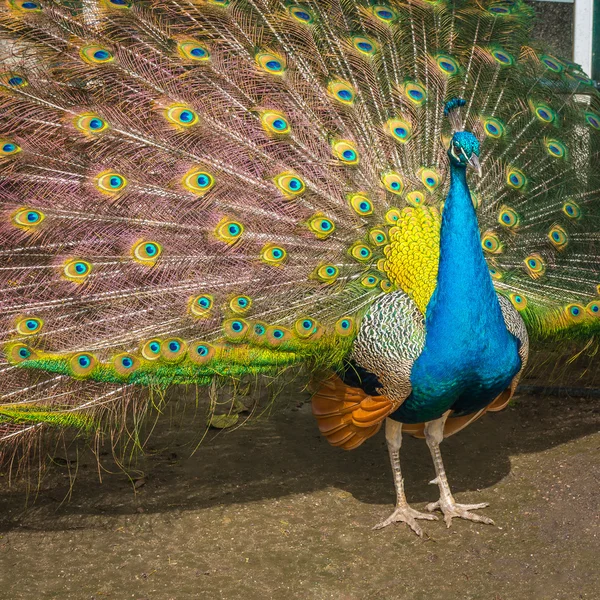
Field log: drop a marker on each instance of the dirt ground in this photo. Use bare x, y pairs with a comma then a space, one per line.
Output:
271, 511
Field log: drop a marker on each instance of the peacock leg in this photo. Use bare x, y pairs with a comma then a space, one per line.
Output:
434, 434
403, 513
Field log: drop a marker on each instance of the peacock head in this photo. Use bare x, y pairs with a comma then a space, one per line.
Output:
464, 151
464, 146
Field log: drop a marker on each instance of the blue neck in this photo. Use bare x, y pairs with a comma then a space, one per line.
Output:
464, 308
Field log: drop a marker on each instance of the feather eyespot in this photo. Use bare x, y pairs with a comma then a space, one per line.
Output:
110, 182
13, 79
572, 210
370, 281
500, 8
446, 64
384, 13
96, 55
235, 328
393, 182
151, 350
360, 252
119, 4
341, 91
76, 270
273, 254
491, 243
8, 148
173, 349
326, 273
229, 231
575, 312
345, 326
278, 335
494, 128
496, 274
415, 198
416, 93
275, 122
290, 184
544, 113
519, 301
593, 309
125, 364
146, 252
321, 226
502, 57
555, 148
193, 50
392, 216
431, 180
26, 6
360, 204
577, 74
593, 120
181, 115
83, 364
240, 304
201, 306
552, 63
271, 63
198, 181
306, 327
399, 129
386, 285
364, 45
17, 353
345, 151
258, 330
29, 325
509, 218
201, 352
27, 218
302, 14
378, 237
90, 123
535, 265
558, 237
516, 179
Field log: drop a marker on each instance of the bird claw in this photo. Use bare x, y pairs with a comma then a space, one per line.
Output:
451, 510
408, 515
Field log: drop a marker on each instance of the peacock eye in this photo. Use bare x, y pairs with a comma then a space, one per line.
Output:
146, 252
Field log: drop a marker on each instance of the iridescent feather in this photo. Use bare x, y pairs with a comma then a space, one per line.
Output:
200, 189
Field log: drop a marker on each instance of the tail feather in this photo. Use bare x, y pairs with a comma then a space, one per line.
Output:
221, 180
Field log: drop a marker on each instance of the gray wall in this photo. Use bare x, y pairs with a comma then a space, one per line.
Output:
554, 26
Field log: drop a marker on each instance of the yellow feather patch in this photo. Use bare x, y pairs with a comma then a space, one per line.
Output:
412, 256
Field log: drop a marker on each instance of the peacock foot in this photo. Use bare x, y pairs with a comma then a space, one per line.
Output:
451, 509
408, 515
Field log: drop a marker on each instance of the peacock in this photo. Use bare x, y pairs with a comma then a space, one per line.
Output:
396, 196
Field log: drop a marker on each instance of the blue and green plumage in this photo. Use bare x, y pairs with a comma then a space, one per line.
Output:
160, 161
469, 356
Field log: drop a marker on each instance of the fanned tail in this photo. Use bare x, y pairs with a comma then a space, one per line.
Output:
202, 189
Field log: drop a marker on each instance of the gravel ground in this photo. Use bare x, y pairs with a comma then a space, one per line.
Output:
270, 511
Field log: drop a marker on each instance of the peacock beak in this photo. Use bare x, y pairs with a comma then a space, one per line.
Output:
473, 162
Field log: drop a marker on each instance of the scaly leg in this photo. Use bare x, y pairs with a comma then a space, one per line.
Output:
434, 434
403, 513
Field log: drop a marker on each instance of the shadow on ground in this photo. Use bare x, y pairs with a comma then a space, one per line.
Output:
283, 455
270, 511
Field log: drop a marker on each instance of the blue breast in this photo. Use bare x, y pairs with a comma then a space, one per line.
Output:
464, 375
469, 356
